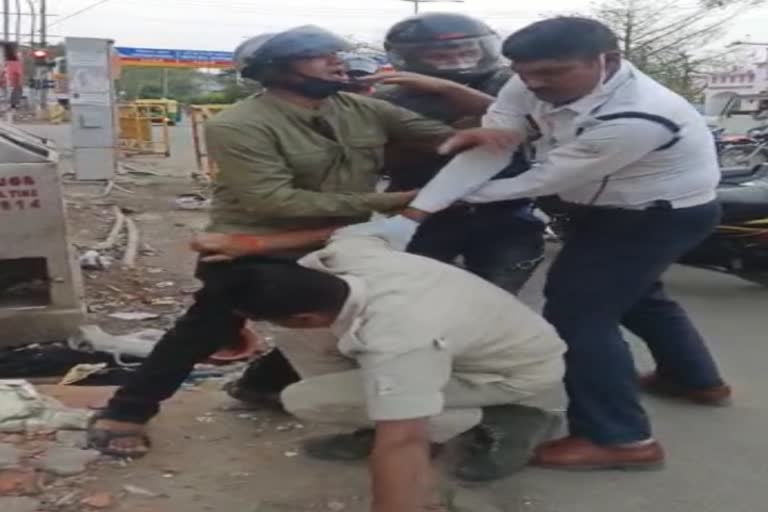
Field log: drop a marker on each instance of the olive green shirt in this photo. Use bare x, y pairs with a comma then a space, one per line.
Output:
282, 166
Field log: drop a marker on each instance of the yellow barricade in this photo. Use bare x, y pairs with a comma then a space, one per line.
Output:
57, 114
137, 136
199, 114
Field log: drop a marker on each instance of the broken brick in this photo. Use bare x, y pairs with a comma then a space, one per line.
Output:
101, 500
18, 481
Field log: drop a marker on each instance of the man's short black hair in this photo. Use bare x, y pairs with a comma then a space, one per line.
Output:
270, 291
561, 38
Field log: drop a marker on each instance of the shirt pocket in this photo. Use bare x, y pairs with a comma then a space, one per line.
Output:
310, 169
368, 148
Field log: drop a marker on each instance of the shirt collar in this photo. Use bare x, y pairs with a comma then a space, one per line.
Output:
353, 307
327, 107
590, 102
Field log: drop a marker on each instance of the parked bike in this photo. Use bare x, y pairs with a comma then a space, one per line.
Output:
739, 245
748, 150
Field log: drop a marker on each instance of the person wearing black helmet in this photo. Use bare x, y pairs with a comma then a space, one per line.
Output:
634, 165
437, 57
298, 156
448, 67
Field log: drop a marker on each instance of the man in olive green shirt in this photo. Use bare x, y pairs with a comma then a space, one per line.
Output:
301, 155
284, 166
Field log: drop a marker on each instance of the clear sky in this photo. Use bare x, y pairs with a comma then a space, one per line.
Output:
222, 24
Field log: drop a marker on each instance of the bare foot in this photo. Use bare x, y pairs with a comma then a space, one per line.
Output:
119, 438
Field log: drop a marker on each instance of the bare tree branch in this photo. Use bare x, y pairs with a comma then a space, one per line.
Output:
665, 39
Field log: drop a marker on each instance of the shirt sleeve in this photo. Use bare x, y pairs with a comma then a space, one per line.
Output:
254, 170
511, 108
406, 385
471, 170
600, 151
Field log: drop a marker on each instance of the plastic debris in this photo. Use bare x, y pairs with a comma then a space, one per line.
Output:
93, 260
23, 409
81, 372
137, 344
140, 491
134, 315
192, 202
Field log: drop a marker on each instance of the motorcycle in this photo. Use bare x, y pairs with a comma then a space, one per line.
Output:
748, 150
739, 245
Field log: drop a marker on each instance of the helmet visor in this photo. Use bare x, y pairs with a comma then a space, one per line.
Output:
468, 56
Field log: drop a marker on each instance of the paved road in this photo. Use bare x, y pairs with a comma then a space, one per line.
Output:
718, 458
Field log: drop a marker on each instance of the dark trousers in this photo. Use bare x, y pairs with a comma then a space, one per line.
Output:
608, 274
495, 245
494, 241
206, 327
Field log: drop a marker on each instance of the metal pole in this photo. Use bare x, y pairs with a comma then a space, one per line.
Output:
415, 6
17, 38
44, 23
44, 44
6, 20
165, 83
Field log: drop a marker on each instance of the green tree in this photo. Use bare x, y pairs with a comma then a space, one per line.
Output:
138, 82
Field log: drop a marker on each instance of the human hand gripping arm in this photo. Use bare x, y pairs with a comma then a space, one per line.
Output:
465, 100
225, 247
598, 152
471, 169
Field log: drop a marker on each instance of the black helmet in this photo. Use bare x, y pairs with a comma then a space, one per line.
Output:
446, 45
253, 56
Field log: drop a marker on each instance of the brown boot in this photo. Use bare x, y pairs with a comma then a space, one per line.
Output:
654, 384
579, 454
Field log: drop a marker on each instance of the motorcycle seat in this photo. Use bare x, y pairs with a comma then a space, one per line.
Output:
738, 175
742, 203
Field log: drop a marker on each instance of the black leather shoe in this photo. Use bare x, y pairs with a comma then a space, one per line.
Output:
253, 397
504, 441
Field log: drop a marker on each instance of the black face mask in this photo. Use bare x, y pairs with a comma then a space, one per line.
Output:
315, 88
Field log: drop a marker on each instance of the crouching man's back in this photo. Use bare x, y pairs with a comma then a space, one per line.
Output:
401, 303
432, 353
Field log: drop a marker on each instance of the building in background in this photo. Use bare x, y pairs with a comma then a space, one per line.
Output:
748, 80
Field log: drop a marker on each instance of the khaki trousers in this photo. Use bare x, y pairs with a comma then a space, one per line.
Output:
332, 389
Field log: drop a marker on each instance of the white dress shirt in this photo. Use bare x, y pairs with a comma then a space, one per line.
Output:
585, 160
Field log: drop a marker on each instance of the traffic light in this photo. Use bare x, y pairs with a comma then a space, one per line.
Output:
40, 57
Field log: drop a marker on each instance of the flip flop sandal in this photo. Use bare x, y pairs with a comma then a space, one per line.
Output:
100, 439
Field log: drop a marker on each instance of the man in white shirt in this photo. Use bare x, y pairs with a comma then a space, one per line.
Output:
636, 165
439, 351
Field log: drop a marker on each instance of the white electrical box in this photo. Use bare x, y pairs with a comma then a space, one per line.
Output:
92, 102
40, 281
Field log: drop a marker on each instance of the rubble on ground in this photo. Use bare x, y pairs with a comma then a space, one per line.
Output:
23, 409
66, 461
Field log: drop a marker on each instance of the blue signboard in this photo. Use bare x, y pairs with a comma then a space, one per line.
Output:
181, 58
